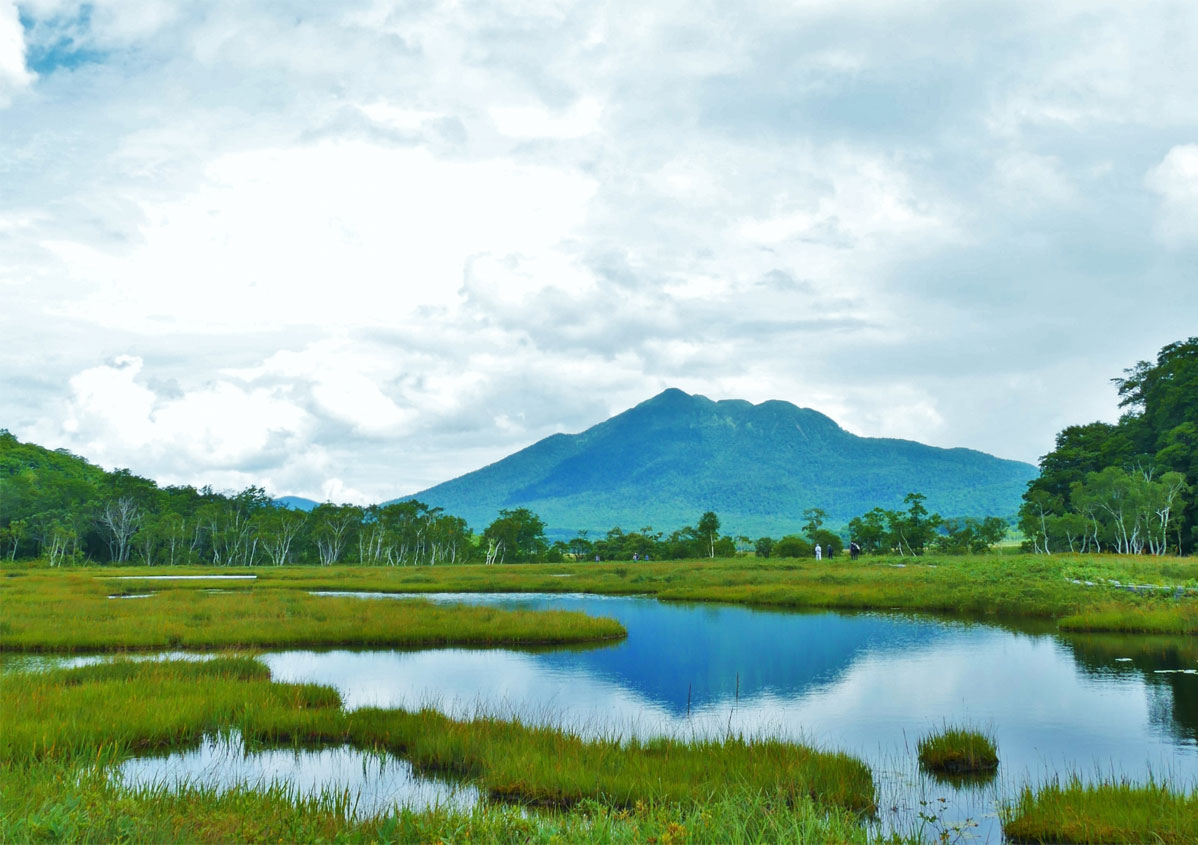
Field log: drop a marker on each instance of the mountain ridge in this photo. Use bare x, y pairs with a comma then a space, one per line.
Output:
671, 457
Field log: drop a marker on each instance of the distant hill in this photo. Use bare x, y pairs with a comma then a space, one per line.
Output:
669, 459
295, 503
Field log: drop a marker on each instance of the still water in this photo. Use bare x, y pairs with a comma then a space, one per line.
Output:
869, 684
371, 783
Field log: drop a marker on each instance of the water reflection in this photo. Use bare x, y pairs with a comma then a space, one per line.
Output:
375, 783
869, 684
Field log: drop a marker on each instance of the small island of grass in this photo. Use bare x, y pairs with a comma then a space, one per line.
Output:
958, 751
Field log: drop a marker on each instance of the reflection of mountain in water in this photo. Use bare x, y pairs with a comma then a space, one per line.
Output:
1173, 696
707, 650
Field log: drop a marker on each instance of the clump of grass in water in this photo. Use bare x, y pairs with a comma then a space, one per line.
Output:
958, 751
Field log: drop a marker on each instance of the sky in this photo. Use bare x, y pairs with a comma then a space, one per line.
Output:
349, 250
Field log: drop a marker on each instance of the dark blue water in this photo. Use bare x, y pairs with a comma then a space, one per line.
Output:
869, 684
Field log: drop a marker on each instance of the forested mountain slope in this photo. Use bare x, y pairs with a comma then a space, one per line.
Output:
667, 460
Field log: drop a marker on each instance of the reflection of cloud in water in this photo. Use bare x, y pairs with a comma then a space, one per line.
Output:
375, 782
464, 683
1047, 715
1025, 689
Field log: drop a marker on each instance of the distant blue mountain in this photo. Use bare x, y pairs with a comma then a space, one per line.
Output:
296, 503
669, 459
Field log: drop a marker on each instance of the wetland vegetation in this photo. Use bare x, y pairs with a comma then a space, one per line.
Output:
64, 728
958, 751
76, 611
1105, 813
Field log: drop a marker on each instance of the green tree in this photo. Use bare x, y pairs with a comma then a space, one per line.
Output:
792, 545
827, 539
580, 546
915, 528
333, 528
724, 547
814, 521
870, 531
1111, 475
517, 536
709, 529
763, 546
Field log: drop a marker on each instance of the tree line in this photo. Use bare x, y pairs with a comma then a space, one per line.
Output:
1125, 487
56, 505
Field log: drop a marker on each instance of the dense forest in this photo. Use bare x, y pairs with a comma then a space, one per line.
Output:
1129, 486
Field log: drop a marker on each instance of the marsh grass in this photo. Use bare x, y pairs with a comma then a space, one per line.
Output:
1171, 618
62, 726
71, 611
75, 803
1109, 812
991, 587
994, 587
958, 751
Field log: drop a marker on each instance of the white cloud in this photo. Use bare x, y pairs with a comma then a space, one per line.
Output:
118, 420
1022, 178
431, 234
336, 234
14, 75
580, 119
1175, 180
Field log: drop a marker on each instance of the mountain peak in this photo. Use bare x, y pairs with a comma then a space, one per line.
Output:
673, 456
673, 397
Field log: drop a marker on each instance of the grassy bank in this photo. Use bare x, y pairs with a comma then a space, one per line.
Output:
71, 611
985, 586
1103, 813
62, 728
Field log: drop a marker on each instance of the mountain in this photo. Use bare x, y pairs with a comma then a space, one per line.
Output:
295, 503
672, 457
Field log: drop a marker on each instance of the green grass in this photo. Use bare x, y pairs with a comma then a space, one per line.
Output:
63, 727
1103, 813
71, 611
60, 728
1166, 618
76, 804
991, 587
994, 587
957, 751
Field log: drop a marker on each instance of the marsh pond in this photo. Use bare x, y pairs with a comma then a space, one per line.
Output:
870, 684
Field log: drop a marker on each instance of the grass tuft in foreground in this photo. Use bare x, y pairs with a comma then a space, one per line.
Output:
1103, 813
72, 803
958, 751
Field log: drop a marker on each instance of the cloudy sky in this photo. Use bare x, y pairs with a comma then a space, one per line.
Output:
352, 249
